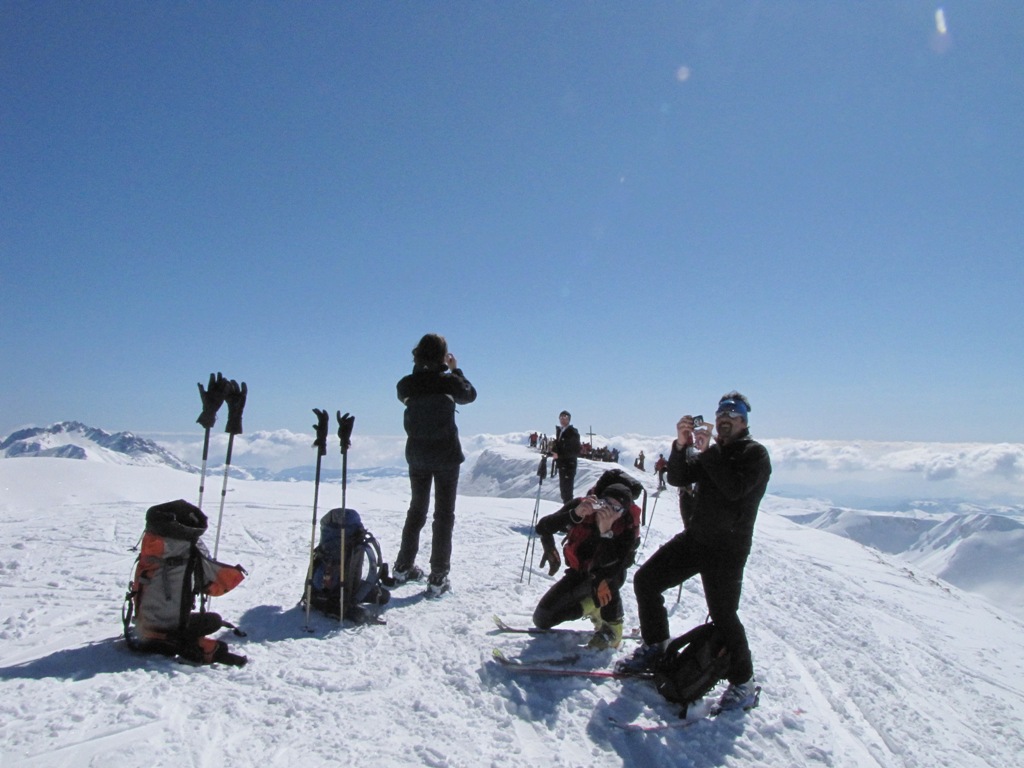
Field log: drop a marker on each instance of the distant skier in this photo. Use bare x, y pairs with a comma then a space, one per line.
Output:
660, 467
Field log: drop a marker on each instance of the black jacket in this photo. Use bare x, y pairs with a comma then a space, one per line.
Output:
731, 480
430, 396
567, 446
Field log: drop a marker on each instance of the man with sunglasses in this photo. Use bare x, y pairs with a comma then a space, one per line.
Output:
728, 479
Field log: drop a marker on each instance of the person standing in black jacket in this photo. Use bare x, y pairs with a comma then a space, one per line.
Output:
566, 450
434, 453
728, 480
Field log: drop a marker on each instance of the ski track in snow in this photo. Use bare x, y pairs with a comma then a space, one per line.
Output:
862, 661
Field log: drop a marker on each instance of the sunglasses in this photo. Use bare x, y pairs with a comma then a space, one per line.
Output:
730, 413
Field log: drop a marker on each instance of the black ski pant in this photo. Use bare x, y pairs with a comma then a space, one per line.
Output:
566, 479
563, 601
721, 572
446, 483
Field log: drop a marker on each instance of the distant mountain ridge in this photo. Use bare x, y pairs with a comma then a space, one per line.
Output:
74, 440
975, 550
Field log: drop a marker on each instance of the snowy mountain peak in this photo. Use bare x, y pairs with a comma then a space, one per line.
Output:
74, 440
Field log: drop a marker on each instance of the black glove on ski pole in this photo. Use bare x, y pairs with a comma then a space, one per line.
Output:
235, 396
212, 398
320, 443
345, 424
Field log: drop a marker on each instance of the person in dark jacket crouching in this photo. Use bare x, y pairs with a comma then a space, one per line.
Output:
728, 479
602, 535
434, 453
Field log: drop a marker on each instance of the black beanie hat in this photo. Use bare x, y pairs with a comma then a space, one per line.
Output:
620, 493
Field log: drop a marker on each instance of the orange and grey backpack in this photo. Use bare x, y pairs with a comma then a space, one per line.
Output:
173, 569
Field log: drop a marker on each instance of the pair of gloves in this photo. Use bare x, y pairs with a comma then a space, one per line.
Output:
344, 431
217, 392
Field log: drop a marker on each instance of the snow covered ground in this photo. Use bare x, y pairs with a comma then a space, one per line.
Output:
865, 660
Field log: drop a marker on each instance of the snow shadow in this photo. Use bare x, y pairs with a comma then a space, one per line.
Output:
704, 744
102, 657
274, 623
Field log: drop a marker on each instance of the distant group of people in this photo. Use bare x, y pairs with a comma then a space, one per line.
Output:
722, 479
541, 442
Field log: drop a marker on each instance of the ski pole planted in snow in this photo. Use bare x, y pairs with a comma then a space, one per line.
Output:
345, 424
320, 443
654, 508
542, 472
234, 395
213, 398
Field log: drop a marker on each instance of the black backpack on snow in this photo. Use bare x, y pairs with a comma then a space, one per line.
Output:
364, 568
694, 664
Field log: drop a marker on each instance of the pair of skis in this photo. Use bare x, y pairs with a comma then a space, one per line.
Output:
502, 626
560, 666
557, 666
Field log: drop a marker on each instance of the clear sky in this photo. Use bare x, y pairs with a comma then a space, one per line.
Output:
623, 209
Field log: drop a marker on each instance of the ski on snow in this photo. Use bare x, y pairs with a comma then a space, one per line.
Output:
549, 661
712, 712
502, 626
557, 668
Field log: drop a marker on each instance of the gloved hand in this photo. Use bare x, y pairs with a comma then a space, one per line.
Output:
552, 558
345, 424
213, 398
603, 593
321, 431
235, 397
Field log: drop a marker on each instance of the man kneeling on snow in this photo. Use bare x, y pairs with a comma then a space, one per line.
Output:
599, 548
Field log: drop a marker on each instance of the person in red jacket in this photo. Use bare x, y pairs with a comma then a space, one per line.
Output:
601, 539
660, 468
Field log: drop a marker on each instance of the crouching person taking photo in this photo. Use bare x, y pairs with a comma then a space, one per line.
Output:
602, 531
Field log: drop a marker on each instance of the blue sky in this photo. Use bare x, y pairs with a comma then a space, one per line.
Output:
621, 209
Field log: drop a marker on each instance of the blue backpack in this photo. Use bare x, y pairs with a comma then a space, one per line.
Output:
364, 568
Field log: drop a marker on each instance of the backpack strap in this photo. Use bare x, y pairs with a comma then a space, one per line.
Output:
128, 609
